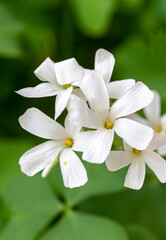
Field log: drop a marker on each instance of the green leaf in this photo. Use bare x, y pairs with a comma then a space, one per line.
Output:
143, 60
4, 214
9, 47
100, 181
38, 38
93, 17
25, 193
81, 226
33, 207
137, 232
10, 29
128, 5
145, 208
35, 5
10, 152
159, 7
153, 17
9, 24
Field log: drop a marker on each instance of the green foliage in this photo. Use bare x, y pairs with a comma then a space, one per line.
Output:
39, 4
144, 60
141, 212
131, 4
101, 181
36, 208
33, 206
137, 232
83, 226
33, 210
93, 17
10, 29
10, 151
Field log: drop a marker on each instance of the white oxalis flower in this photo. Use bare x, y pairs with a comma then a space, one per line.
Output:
63, 144
108, 120
137, 159
104, 64
154, 118
59, 79
63, 78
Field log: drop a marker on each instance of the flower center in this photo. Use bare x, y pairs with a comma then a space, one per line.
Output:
137, 152
157, 129
67, 85
69, 142
108, 125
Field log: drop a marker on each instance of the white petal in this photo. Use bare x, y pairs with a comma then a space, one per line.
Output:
94, 89
135, 134
152, 112
82, 140
68, 71
73, 171
81, 114
39, 157
78, 82
162, 150
45, 72
136, 117
118, 159
163, 122
117, 89
79, 94
157, 141
71, 129
136, 174
136, 98
126, 146
61, 101
39, 124
41, 90
99, 146
157, 164
104, 63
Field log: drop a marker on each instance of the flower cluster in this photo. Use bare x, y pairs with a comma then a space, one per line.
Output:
102, 108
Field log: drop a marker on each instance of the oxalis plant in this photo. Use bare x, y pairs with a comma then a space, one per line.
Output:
98, 110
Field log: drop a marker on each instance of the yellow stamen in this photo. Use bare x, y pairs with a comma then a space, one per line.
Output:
157, 129
137, 152
67, 85
108, 125
65, 163
69, 142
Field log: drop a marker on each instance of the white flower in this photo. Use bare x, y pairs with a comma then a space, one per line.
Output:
59, 79
64, 142
154, 118
104, 64
63, 78
137, 159
109, 120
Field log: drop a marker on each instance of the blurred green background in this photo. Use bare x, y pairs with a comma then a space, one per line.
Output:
30, 30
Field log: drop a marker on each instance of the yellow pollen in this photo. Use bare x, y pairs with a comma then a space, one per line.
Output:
65, 162
69, 142
108, 125
157, 129
137, 152
67, 85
